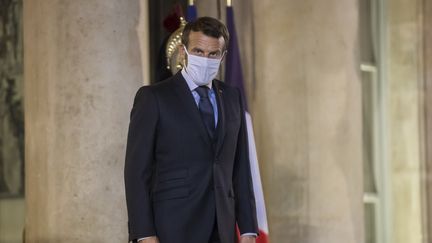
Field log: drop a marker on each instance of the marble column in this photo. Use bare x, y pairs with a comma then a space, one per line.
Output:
306, 106
82, 68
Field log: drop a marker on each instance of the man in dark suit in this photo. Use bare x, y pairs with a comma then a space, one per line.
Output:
187, 172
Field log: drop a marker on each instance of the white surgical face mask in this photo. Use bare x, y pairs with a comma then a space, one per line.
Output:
202, 70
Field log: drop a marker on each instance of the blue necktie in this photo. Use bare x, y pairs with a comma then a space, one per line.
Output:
206, 110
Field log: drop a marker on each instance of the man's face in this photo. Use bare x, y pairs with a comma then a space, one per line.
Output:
204, 46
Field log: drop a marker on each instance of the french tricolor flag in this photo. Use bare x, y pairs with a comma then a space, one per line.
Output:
191, 12
234, 77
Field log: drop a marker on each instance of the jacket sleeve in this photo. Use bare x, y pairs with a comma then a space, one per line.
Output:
139, 164
242, 181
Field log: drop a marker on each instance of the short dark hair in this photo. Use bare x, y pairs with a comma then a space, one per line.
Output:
209, 27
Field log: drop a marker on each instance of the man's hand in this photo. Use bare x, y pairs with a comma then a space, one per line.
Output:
153, 239
247, 239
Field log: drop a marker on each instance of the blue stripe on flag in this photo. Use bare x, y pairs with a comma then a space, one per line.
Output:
191, 13
233, 68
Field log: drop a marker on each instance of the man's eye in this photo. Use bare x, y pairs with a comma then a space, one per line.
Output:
214, 55
198, 53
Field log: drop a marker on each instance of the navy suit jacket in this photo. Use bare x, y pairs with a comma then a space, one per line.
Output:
178, 180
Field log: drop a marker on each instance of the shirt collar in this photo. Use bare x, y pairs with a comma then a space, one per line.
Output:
190, 83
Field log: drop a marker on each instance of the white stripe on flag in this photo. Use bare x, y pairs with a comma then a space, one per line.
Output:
256, 178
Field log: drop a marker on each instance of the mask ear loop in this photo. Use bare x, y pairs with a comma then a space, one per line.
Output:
223, 55
184, 57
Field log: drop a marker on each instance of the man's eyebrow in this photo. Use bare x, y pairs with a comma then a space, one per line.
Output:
197, 49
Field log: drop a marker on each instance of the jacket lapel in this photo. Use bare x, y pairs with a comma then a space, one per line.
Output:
190, 107
221, 116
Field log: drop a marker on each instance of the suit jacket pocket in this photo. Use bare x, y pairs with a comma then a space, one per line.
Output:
172, 193
172, 174
171, 184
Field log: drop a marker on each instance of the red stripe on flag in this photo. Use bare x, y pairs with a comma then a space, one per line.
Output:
262, 237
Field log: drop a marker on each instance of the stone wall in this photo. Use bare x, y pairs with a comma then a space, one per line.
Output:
405, 119
82, 69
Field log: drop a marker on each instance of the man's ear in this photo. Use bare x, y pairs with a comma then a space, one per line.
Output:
181, 50
182, 54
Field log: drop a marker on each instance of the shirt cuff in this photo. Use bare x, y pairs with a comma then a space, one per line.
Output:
245, 234
145, 238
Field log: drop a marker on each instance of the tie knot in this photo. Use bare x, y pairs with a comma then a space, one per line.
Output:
202, 91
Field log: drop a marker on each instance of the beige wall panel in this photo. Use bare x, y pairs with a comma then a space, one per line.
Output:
11, 220
82, 68
307, 114
427, 57
405, 114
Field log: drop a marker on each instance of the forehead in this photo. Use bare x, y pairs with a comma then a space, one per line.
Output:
204, 42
